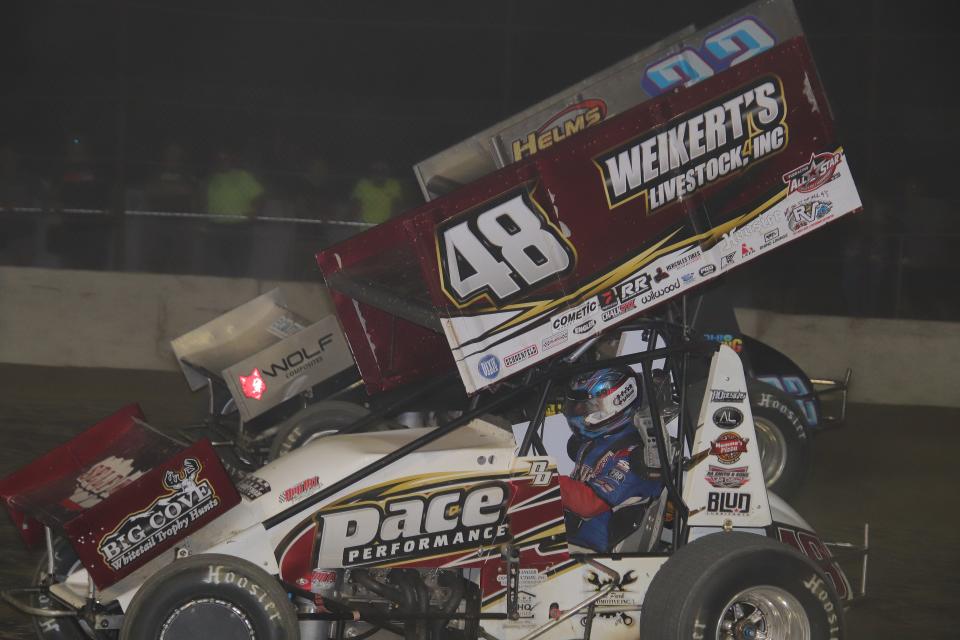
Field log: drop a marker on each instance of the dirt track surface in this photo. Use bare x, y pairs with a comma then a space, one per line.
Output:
894, 467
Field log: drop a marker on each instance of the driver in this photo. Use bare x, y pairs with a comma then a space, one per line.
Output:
607, 449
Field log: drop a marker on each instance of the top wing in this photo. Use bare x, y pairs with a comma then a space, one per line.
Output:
629, 213
679, 60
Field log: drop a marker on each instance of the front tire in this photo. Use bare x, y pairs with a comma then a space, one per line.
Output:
782, 439
736, 586
213, 597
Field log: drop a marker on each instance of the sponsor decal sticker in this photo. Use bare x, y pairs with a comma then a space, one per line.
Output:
728, 503
416, 525
520, 356
300, 490
188, 498
252, 487
660, 275
811, 176
728, 417
707, 146
688, 277
574, 315
728, 447
771, 237
635, 286
806, 213
719, 395
616, 312
555, 340
627, 394
727, 259
746, 250
653, 295
560, 126
489, 366
727, 477
725, 338
691, 256
252, 385
585, 327
707, 269
295, 363
97, 483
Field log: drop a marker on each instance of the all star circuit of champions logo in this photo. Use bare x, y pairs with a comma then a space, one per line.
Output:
187, 500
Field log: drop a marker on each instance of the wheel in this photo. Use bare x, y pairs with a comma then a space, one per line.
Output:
740, 586
782, 439
214, 597
315, 421
65, 562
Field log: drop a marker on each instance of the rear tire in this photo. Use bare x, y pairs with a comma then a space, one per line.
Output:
213, 597
782, 439
315, 421
736, 585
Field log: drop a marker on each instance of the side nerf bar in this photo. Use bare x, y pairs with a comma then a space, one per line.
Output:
828, 387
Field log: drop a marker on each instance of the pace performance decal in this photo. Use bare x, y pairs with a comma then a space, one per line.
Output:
713, 143
188, 499
417, 526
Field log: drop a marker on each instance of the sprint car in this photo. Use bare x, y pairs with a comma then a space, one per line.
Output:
462, 530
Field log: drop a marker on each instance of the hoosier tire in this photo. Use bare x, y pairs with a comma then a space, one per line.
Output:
739, 586
212, 597
782, 438
316, 420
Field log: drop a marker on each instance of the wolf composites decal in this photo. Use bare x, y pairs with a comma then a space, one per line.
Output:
560, 126
296, 362
252, 385
501, 249
188, 499
713, 143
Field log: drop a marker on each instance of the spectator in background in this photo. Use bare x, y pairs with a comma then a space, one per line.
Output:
234, 197
151, 242
79, 184
233, 193
82, 241
171, 188
378, 197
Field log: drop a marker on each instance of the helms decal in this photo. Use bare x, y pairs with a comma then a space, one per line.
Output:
560, 126
712, 143
188, 499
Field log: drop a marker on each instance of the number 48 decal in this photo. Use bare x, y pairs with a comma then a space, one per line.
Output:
501, 250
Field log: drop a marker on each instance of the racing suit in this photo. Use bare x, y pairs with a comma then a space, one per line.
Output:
609, 475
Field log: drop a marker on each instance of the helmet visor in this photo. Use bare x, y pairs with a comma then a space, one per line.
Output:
596, 411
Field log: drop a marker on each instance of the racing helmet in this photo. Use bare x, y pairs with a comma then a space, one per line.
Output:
602, 402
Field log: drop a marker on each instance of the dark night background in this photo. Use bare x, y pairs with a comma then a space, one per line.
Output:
307, 95
297, 88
